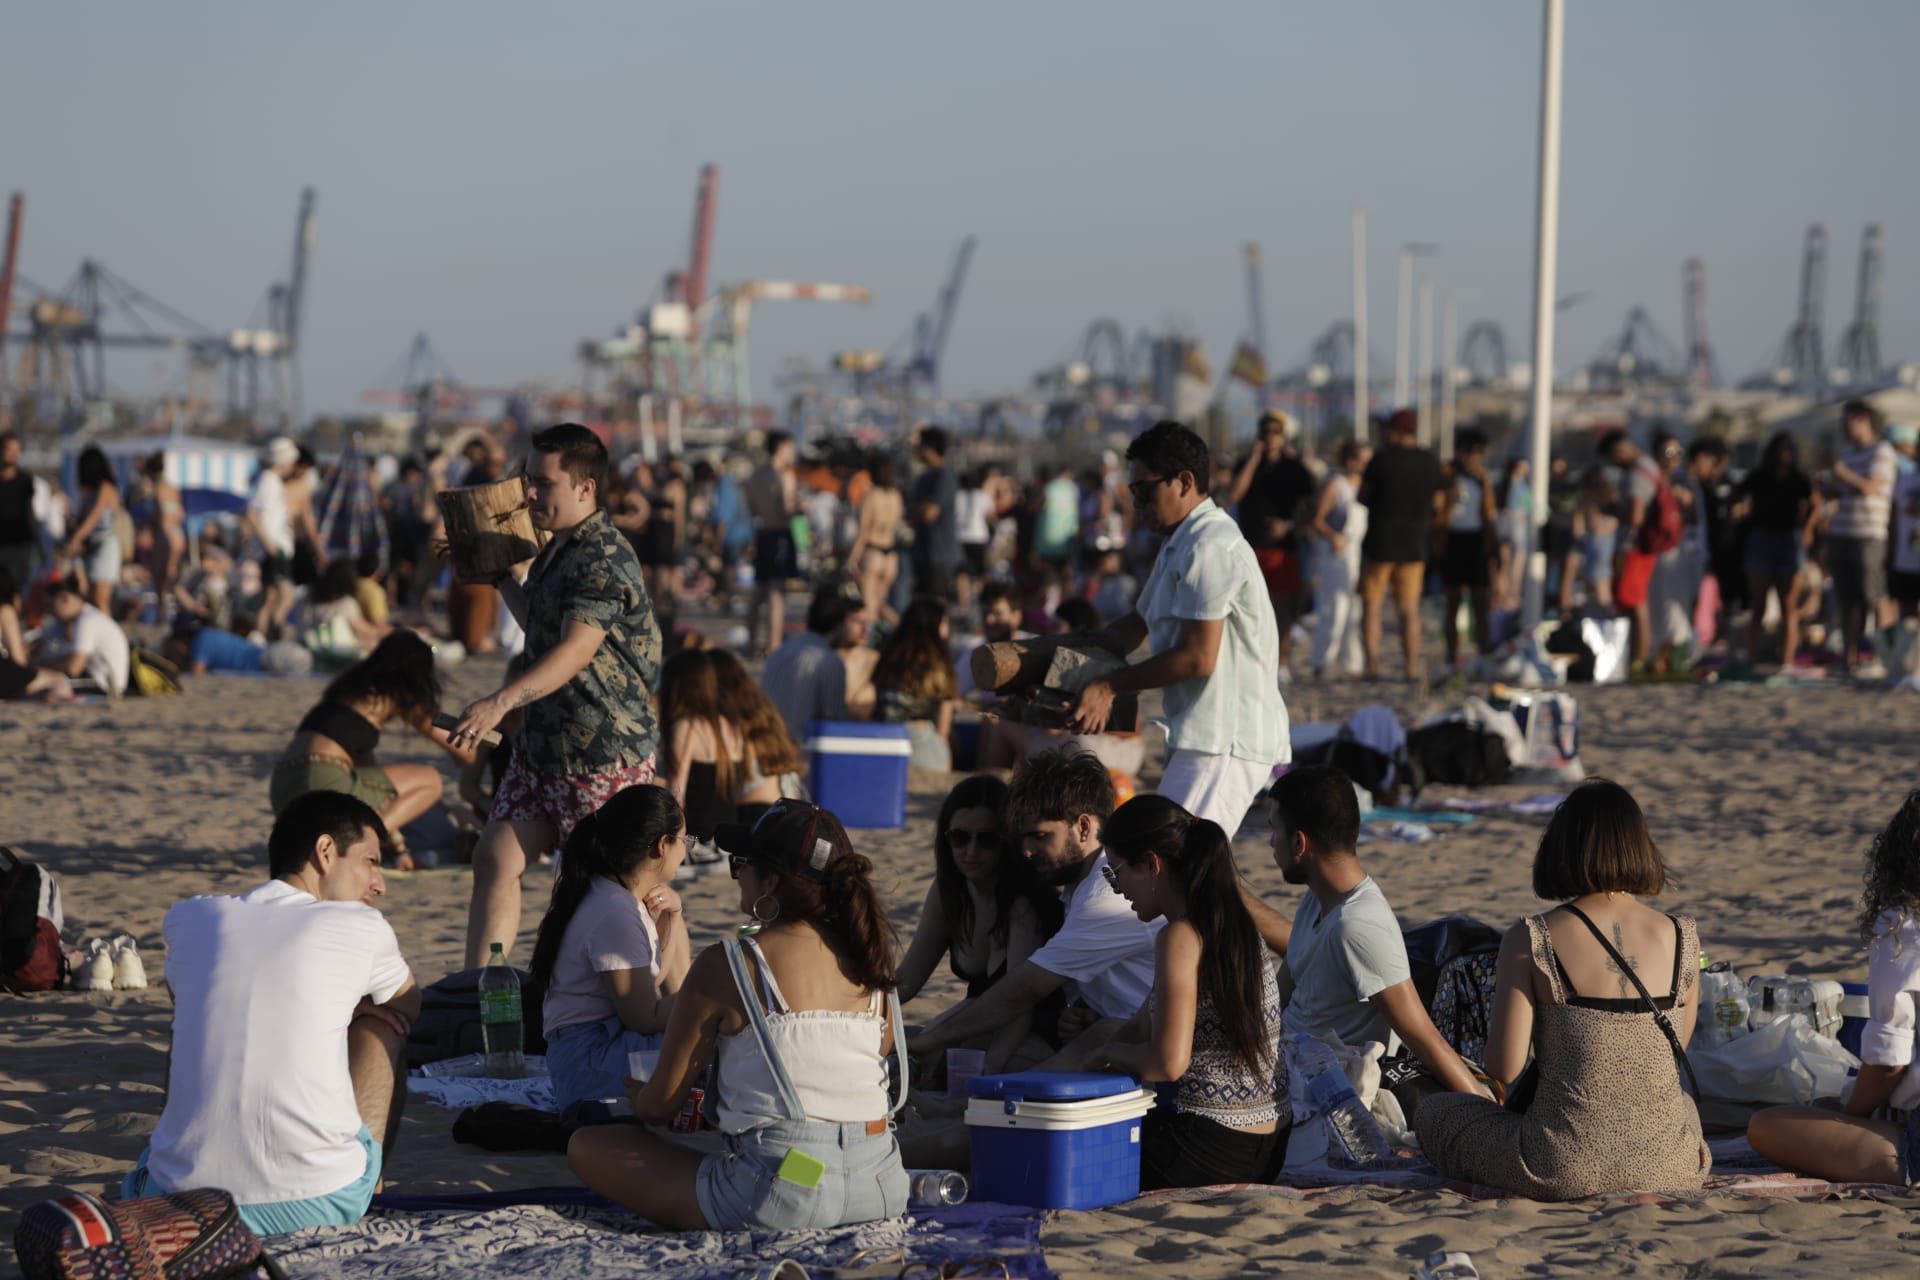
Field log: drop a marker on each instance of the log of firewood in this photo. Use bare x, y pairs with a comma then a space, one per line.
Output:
488, 528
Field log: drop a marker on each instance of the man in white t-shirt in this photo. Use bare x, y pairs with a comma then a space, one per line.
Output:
1214, 644
1346, 974
269, 520
83, 643
1103, 952
291, 1006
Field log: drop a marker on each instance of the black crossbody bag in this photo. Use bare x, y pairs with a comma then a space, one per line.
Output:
1520, 1096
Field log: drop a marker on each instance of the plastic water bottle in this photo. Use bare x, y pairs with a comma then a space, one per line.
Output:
936, 1188
1354, 1139
500, 1018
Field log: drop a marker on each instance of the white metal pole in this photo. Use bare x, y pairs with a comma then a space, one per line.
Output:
1449, 318
1423, 389
1361, 405
1545, 269
676, 439
1402, 342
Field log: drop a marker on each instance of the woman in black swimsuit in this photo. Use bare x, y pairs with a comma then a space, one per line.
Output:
985, 912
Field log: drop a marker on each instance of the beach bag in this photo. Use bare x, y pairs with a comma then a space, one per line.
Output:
1433, 946
1664, 526
1456, 753
1462, 1008
150, 676
189, 1235
449, 1021
31, 956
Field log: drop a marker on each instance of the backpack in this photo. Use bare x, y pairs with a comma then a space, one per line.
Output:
31, 957
449, 1021
190, 1235
1663, 526
150, 676
1456, 753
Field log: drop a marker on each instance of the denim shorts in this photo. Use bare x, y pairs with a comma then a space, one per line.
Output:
740, 1188
340, 1208
589, 1059
1773, 553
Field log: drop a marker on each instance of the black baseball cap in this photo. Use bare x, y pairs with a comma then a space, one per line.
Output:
793, 836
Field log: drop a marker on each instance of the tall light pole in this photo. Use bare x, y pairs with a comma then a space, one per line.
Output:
1423, 390
1361, 400
1546, 262
1403, 345
1449, 320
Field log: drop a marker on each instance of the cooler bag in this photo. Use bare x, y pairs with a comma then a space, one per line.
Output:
189, 1235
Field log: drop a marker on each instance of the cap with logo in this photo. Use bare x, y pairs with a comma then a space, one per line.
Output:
792, 836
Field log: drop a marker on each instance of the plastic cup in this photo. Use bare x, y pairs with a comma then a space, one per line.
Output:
962, 1066
641, 1064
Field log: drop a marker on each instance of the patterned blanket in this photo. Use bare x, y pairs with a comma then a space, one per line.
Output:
591, 1241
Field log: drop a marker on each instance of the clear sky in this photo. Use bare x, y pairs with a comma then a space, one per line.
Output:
513, 178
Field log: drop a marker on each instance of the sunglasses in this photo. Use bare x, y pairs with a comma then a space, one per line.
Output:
960, 838
1113, 877
735, 861
1143, 489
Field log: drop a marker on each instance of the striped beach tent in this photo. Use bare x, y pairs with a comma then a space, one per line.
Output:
349, 513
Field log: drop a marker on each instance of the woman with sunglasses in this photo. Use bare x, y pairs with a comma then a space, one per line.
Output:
798, 1019
986, 911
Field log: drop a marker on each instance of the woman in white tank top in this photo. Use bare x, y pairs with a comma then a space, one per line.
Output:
799, 1020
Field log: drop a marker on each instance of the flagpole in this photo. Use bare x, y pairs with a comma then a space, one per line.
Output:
1362, 409
1545, 272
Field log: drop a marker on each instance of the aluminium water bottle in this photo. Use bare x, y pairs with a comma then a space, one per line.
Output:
500, 1028
935, 1188
1354, 1139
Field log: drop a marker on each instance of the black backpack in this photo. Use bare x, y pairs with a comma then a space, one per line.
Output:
449, 1021
1456, 753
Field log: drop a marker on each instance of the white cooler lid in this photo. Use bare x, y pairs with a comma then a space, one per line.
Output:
992, 1113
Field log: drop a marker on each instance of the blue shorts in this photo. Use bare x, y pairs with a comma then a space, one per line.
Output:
1772, 553
864, 1181
589, 1059
342, 1208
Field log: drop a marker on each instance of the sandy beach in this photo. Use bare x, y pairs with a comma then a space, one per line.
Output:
1763, 801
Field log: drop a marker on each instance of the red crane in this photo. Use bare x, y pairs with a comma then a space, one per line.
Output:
702, 259
16, 210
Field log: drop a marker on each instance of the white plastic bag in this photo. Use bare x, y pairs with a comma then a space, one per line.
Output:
1784, 1061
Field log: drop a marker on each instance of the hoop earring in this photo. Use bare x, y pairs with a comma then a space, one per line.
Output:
767, 919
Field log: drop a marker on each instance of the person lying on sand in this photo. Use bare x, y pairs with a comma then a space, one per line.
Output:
292, 1004
1876, 1137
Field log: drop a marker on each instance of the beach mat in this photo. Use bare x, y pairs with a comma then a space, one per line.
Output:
566, 1231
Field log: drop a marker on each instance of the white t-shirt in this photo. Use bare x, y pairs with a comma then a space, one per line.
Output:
1102, 948
1906, 522
970, 507
271, 515
259, 1100
609, 930
1207, 570
1893, 1004
1341, 960
109, 656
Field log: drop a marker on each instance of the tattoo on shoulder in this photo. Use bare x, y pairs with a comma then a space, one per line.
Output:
1620, 975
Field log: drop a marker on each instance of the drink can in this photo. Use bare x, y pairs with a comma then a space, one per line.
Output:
693, 1113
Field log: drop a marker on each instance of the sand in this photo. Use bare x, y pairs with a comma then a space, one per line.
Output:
1763, 801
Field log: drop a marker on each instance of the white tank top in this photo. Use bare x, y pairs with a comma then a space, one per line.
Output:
831, 1058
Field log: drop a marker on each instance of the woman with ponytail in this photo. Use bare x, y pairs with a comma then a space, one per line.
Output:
1875, 1137
1214, 1016
613, 948
798, 1017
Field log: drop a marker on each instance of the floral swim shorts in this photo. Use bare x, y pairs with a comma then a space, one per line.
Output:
563, 799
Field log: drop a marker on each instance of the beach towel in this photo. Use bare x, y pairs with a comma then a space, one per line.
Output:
567, 1232
534, 1090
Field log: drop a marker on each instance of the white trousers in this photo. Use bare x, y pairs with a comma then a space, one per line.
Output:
1219, 788
1336, 640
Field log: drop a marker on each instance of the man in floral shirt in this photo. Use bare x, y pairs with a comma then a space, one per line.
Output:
586, 683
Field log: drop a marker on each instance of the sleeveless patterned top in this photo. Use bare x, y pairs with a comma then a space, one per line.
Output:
1217, 1085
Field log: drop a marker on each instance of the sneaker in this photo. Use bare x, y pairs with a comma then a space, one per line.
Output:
129, 974
96, 974
703, 859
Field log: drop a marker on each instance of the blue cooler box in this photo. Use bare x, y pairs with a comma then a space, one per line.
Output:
859, 771
1056, 1140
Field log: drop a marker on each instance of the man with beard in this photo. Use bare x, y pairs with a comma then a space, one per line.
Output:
1346, 975
1059, 802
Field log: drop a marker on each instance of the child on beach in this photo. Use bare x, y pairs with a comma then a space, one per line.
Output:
1876, 1138
613, 948
1215, 1009
798, 1020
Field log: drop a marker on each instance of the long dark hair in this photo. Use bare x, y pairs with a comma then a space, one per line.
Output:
612, 843
847, 909
1232, 956
1014, 880
1780, 443
690, 690
400, 670
1893, 870
914, 660
93, 470
753, 714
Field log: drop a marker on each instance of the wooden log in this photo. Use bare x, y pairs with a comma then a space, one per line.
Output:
488, 528
1008, 665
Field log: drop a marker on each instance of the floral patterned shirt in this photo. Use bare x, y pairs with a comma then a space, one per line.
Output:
604, 717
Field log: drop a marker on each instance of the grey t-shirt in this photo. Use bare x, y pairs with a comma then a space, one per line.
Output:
938, 542
1339, 961
808, 681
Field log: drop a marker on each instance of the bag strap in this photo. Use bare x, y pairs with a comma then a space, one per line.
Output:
762, 1034
1660, 1017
